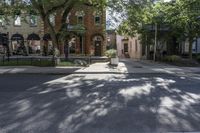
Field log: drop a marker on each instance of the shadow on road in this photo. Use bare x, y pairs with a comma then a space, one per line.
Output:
98, 104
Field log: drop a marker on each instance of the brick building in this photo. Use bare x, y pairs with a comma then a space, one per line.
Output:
87, 27
22, 37
32, 38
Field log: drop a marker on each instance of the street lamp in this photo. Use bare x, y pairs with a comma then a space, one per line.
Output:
155, 45
198, 19
156, 18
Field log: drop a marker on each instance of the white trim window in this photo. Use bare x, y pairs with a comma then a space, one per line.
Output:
52, 19
97, 20
80, 17
33, 20
17, 20
2, 21
8, 2
97, 17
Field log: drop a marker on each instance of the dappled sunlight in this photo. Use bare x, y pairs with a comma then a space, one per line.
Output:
178, 97
89, 110
129, 93
76, 102
178, 117
67, 79
161, 70
73, 93
164, 82
23, 107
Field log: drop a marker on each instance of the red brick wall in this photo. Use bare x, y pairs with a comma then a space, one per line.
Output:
89, 23
91, 28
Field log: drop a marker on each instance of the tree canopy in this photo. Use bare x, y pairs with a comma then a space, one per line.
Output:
180, 16
45, 9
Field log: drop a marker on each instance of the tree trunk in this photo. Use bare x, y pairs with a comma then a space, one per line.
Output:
55, 40
147, 48
66, 50
190, 47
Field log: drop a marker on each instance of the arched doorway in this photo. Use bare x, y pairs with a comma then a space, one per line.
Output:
4, 44
34, 45
17, 44
97, 45
72, 45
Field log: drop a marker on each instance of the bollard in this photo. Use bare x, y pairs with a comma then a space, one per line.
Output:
40, 62
3, 59
17, 61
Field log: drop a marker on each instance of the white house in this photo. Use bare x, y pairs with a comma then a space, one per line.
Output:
195, 48
129, 47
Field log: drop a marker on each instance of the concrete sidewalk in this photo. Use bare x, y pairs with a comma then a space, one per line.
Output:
145, 66
126, 66
37, 70
92, 69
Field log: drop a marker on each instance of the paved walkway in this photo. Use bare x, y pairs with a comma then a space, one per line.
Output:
92, 69
144, 66
125, 66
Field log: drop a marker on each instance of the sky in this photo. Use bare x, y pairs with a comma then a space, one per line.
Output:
113, 24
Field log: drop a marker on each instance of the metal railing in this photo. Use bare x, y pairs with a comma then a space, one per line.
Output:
44, 61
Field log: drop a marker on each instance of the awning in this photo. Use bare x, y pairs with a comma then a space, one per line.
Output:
47, 37
33, 36
17, 37
78, 29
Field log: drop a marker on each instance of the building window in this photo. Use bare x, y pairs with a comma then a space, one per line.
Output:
81, 45
68, 18
80, 19
8, 2
17, 20
2, 21
136, 45
97, 17
125, 48
52, 19
97, 20
33, 20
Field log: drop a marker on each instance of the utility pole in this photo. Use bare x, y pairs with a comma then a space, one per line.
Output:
155, 46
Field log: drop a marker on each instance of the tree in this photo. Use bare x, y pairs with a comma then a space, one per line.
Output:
139, 16
179, 16
183, 19
45, 9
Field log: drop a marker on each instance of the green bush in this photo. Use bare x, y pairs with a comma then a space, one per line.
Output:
172, 58
112, 53
198, 58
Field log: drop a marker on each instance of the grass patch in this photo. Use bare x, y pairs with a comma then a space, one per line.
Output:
38, 63
66, 63
27, 63
181, 62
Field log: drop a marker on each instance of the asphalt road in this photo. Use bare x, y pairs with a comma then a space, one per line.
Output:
99, 103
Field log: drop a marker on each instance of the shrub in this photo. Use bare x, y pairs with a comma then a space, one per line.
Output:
112, 53
198, 58
172, 58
